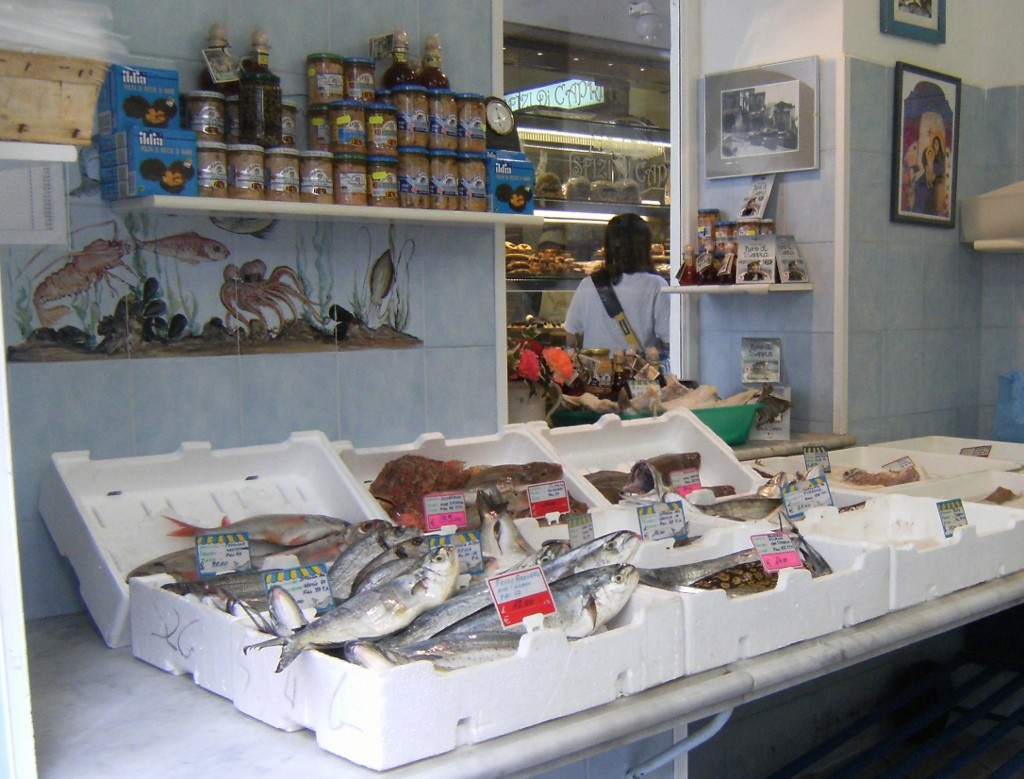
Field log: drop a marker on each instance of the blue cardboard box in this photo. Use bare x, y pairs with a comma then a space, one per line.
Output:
142, 161
138, 97
510, 183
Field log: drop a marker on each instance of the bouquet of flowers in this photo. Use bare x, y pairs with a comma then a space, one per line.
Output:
537, 365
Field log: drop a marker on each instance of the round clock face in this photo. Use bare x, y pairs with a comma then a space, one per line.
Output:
499, 116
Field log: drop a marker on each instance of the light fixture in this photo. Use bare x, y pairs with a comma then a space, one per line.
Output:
648, 24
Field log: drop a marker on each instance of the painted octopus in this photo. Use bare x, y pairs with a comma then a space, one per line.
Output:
248, 289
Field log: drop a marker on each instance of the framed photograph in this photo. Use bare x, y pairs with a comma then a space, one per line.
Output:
761, 120
922, 20
926, 135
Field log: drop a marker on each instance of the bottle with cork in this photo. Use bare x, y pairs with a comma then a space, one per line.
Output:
399, 71
221, 71
430, 75
687, 275
259, 99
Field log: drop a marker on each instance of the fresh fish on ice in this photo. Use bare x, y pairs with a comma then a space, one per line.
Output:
446, 653
379, 536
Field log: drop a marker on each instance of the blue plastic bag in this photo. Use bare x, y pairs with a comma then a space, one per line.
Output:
1009, 421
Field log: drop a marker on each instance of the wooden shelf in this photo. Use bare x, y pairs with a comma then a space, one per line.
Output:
169, 204
736, 289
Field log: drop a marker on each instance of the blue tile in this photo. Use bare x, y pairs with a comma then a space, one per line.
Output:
458, 288
282, 394
998, 355
382, 396
903, 361
967, 363
827, 105
939, 274
460, 391
465, 58
867, 280
820, 259
48, 583
295, 29
998, 293
866, 371
1001, 102
870, 89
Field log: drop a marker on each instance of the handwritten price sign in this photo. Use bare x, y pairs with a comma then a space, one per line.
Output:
518, 594
444, 509
308, 585
777, 551
952, 514
467, 546
218, 553
548, 497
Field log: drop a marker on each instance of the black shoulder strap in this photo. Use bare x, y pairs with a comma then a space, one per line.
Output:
603, 285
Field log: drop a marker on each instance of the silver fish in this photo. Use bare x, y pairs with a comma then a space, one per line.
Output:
500, 538
410, 549
748, 508
679, 577
384, 573
584, 602
375, 613
285, 614
447, 653
380, 536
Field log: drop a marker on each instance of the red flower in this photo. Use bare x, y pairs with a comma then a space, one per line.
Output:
528, 366
559, 363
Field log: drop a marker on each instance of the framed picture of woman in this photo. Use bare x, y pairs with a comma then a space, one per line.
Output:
926, 135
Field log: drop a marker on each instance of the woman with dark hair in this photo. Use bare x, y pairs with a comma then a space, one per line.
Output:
622, 297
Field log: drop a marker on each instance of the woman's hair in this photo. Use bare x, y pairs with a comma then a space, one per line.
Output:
627, 246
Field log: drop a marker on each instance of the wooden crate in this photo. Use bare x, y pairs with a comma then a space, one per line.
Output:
48, 99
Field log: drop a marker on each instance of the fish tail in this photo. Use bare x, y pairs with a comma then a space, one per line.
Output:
291, 650
276, 641
186, 530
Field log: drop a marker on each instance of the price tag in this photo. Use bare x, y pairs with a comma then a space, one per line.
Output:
817, 455
581, 529
977, 451
798, 496
777, 551
685, 480
637, 387
547, 497
467, 546
518, 594
218, 553
662, 520
307, 584
444, 508
899, 465
952, 515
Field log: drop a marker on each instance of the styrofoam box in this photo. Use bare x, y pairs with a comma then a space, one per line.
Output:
385, 718
930, 466
973, 487
107, 516
721, 629
1001, 450
924, 564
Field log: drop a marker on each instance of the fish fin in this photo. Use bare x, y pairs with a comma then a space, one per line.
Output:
291, 650
276, 641
186, 530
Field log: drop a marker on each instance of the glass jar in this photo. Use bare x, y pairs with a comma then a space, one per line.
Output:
325, 78
747, 226
347, 120
360, 80
472, 133
444, 180
245, 171
350, 179
706, 220
766, 227
205, 112
316, 177
413, 177
259, 109
443, 120
382, 180
289, 124
472, 181
281, 167
318, 131
381, 130
231, 119
725, 232
410, 101
212, 168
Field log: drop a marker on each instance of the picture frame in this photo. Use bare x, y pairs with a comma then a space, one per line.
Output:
922, 20
926, 139
761, 120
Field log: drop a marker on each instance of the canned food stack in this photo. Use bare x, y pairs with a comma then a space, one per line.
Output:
715, 260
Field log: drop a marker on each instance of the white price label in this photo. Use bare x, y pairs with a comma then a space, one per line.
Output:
581, 529
467, 546
817, 455
307, 584
518, 594
977, 451
218, 553
952, 514
900, 464
798, 496
662, 520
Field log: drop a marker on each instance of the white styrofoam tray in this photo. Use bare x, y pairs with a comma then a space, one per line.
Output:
924, 563
612, 443
720, 629
930, 466
972, 487
107, 516
385, 718
1001, 450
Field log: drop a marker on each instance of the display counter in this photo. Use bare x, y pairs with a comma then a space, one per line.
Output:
753, 450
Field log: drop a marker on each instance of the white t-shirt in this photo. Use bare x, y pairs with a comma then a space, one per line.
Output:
646, 309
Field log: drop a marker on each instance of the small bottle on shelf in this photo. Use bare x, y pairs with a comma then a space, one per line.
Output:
431, 76
687, 275
221, 71
399, 71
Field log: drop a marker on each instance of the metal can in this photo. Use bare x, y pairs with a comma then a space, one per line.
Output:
289, 124
350, 179
360, 79
231, 133
444, 180
382, 180
245, 171
212, 168
281, 167
413, 177
747, 226
381, 130
205, 112
443, 118
410, 101
325, 78
472, 129
347, 120
318, 131
472, 181
316, 177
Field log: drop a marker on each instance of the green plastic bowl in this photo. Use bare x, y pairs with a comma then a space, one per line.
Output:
730, 423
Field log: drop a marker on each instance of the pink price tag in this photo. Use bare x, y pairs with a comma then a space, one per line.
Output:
441, 509
518, 594
685, 480
777, 551
548, 497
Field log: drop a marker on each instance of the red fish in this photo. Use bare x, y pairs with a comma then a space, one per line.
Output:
190, 247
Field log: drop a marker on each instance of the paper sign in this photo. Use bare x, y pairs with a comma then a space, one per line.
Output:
817, 456
798, 496
685, 480
218, 553
777, 551
517, 594
952, 515
444, 508
761, 360
307, 584
548, 497
899, 465
467, 546
756, 200
977, 451
637, 387
662, 520
755, 259
792, 268
581, 529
